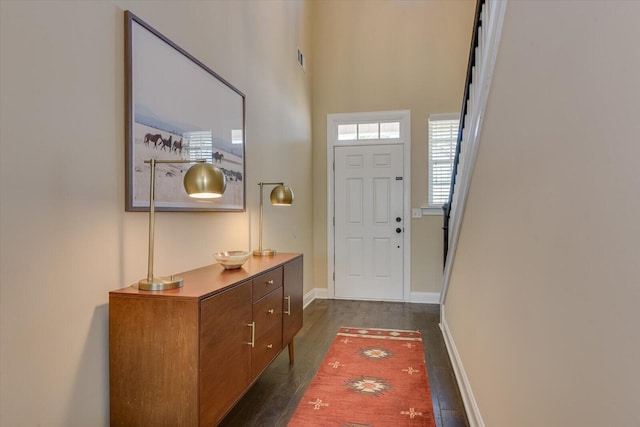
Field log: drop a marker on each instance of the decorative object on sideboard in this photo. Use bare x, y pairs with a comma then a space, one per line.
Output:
231, 259
202, 181
281, 195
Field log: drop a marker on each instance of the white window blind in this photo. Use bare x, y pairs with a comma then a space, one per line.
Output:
443, 135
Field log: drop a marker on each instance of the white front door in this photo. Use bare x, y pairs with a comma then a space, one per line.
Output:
369, 223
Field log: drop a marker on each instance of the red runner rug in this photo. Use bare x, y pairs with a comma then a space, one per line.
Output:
369, 377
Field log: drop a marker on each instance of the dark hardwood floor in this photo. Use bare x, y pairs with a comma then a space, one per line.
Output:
272, 400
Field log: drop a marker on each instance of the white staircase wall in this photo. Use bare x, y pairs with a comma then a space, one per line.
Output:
541, 307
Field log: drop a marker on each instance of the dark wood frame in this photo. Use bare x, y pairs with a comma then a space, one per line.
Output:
224, 111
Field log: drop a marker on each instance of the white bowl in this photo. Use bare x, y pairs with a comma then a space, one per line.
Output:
232, 259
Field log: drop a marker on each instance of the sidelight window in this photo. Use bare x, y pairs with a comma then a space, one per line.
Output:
443, 136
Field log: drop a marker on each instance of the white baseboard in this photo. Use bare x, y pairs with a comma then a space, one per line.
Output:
425, 297
470, 404
322, 293
319, 293
417, 297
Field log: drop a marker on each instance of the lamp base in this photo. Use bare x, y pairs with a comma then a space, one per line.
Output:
160, 283
264, 252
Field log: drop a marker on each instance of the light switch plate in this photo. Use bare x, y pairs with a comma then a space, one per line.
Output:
416, 213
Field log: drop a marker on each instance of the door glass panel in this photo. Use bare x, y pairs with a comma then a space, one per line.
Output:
347, 132
368, 131
390, 130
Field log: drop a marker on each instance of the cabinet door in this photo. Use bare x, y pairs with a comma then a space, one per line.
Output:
292, 308
153, 361
225, 353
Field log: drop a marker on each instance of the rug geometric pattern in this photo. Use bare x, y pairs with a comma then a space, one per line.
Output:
369, 377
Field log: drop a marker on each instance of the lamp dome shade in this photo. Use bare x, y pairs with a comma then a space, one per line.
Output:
281, 195
205, 181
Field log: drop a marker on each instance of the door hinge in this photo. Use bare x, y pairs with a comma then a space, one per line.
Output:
334, 276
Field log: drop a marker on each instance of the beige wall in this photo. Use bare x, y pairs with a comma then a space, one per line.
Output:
388, 55
543, 302
65, 238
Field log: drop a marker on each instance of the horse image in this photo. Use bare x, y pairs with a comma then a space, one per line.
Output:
232, 175
177, 146
217, 157
150, 137
166, 143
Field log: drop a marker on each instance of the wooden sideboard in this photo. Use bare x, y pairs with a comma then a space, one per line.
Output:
184, 357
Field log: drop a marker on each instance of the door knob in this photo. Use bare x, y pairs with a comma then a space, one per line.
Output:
398, 230
398, 219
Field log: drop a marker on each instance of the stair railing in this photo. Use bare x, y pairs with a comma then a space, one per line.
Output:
463, 113
482, 56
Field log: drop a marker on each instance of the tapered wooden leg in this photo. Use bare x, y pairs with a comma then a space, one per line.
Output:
291, 357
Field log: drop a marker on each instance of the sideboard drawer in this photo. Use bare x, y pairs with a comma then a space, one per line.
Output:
266, 282
267, 347
268, 312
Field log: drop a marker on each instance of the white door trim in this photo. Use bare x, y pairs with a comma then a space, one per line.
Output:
333, 120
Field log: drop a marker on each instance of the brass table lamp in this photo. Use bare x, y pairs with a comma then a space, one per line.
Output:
202, 181
281, 195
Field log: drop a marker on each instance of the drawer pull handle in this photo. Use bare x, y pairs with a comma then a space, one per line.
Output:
270, 311
288, 312
270, 282
269, 345
252, 325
